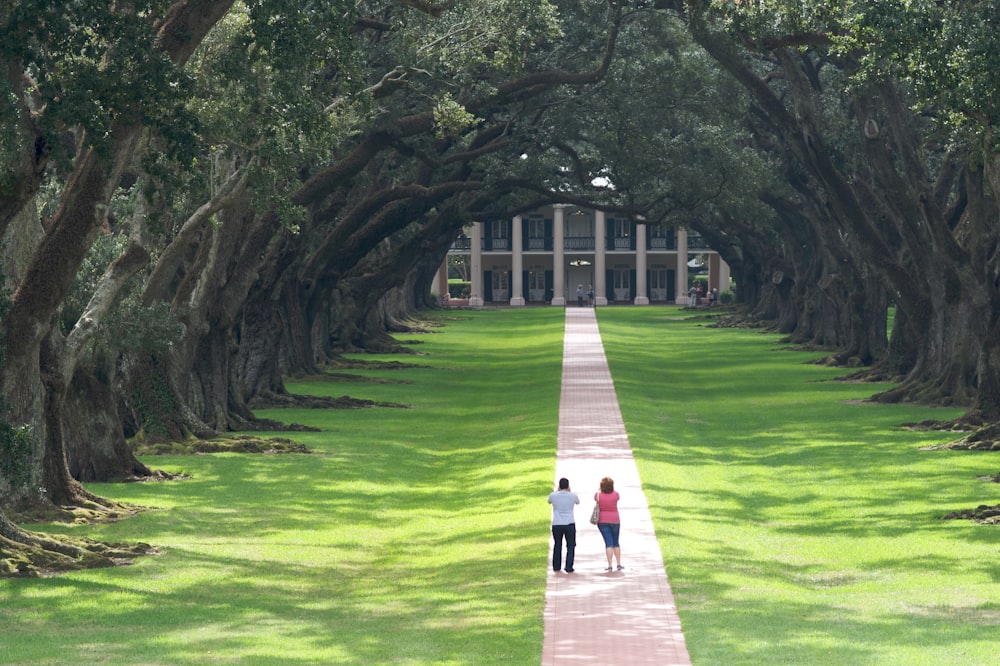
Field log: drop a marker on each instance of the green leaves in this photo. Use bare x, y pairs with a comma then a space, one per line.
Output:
947, 53
451, 119
482, 33
88, 63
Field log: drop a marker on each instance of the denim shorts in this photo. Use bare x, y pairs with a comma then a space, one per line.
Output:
610, 533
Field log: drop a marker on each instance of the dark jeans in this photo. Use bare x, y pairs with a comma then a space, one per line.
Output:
558, 533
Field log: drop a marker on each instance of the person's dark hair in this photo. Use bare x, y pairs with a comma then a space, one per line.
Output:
607, 485
563, 483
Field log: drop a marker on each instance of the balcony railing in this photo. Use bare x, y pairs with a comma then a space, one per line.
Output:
662, 243
578, 243
496, 244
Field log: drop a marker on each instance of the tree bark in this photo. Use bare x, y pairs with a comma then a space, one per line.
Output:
96, 449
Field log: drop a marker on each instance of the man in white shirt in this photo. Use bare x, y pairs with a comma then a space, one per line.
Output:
563, 502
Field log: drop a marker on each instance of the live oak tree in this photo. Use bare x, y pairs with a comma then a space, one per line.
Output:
82, 84
947, 54
908, 203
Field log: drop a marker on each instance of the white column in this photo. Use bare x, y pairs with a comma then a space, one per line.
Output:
441, 282
517, 262
681, 288
640, 265
476, 290
600, 260
558, 255
724, 275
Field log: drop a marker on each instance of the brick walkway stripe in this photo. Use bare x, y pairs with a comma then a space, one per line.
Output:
593, 616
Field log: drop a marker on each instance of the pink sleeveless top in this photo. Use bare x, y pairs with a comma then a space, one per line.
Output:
609, 506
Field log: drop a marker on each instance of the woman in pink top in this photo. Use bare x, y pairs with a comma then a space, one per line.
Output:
609, 522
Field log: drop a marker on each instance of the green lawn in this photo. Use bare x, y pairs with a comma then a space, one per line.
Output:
419, 536
797, 525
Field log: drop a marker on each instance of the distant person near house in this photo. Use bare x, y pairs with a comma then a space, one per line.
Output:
590, 294
693, 296
579, 295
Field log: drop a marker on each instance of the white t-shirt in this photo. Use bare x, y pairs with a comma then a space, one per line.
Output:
562, 502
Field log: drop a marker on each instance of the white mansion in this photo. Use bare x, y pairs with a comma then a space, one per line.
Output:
544, 256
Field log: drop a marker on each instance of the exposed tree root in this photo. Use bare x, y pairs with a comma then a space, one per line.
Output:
738, 319
872, 374
81, 513
983, 514
982, 436
274, 400
348, 377
27, 554
46, 555
357, 364
412, 325
229, 444
979, 436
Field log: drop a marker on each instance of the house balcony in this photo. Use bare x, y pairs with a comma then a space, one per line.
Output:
463, 245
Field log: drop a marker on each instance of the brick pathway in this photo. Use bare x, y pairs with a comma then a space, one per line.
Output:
593, 616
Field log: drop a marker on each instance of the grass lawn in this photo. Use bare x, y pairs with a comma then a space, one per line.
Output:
797, 525
419, 536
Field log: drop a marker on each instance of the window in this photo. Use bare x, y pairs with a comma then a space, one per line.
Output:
499, 235
500, 280
622, 228
536, 233
623, 280
536, 280
661, 237
622, 231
